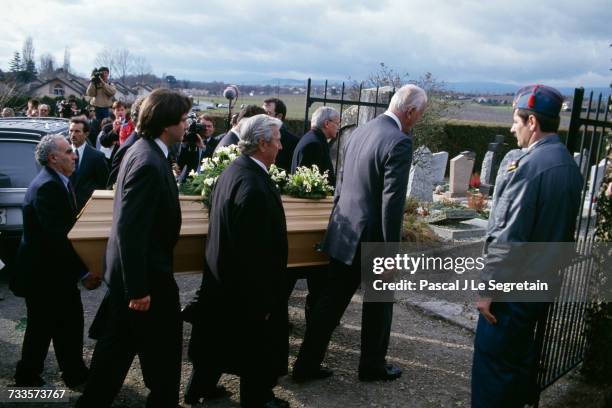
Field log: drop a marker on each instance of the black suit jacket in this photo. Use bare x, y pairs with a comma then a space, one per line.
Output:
285, 155
145, 228
370, 190
311, 149
245, 272
210, 145
117, 157
91, 175
46, 260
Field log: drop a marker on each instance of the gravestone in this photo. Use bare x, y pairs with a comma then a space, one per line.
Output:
584, 157
490, 165
461, 168
438, 168
596, 180
359, 115
338, 144
420, 181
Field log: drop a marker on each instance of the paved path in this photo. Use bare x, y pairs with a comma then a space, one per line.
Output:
435, 354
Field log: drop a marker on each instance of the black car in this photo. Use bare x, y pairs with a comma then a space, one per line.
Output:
18, 139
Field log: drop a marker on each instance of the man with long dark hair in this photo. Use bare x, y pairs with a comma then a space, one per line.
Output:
140, 314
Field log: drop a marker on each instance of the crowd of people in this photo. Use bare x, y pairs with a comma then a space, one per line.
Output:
245, 283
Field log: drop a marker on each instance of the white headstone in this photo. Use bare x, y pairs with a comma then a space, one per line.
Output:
367, 113
420, 182
596, 180
438, 167
461, 168
585, 161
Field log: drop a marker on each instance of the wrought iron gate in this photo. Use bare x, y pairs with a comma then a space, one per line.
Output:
343, 96
561, 335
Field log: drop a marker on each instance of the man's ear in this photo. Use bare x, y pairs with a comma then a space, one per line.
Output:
532, 122
261, 145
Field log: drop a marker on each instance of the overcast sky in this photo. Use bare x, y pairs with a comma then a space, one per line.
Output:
561, 43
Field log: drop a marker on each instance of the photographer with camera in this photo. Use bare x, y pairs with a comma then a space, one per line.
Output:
191, 149
101, 91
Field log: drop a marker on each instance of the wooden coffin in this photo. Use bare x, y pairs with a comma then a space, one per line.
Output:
306, 224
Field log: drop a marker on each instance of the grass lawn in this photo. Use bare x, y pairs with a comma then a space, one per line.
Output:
296, 104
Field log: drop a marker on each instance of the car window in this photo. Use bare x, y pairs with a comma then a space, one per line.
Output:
17, 164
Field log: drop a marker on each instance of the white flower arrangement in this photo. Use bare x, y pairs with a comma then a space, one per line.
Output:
202, 183
307, 182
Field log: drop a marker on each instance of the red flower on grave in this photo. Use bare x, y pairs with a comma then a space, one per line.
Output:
475, 180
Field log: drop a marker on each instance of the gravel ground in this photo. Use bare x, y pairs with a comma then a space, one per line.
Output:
434, 353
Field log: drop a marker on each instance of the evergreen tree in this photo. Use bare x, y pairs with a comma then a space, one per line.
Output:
15, 64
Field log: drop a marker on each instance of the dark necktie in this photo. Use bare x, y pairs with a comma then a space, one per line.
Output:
72, 194
76, 163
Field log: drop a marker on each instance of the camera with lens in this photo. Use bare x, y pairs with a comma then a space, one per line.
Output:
65, 109
191, 135
96, 76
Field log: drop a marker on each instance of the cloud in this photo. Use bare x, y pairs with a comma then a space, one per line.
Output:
521, 41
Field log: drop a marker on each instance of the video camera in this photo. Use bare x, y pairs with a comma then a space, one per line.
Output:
64, 108
195, 127
96, 76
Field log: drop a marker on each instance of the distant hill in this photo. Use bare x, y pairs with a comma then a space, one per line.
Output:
502, 88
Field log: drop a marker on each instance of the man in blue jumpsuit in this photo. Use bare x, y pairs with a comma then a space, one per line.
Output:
536, 200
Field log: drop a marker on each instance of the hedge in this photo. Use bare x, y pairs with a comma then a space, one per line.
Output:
458, 136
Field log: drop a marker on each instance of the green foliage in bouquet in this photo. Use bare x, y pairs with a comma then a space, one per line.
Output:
202, 183
308, 182
305, 183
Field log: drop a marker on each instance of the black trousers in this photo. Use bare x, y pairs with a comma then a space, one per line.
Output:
255, 383
156, 337
341, 283
57, 317
315, 278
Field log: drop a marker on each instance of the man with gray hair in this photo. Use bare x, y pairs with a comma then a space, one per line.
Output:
47, 270
244, 282
368, 207
313, 147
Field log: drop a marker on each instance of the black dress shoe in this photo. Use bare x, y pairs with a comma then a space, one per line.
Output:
301, 376
276, 403
192, 397
386, 373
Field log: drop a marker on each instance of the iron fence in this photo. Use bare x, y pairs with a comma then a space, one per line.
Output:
561, 335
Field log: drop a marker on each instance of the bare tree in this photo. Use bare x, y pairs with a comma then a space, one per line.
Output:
66, 65
47, 64
386, 76
123, 61
27, 52
141, 68
8, 90
106, 58
120, 62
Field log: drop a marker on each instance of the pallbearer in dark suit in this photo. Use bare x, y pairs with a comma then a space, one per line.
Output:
368, 207
47, 270
91, 169
313, 148
232, 137
277, 109
140, 314
241, 316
